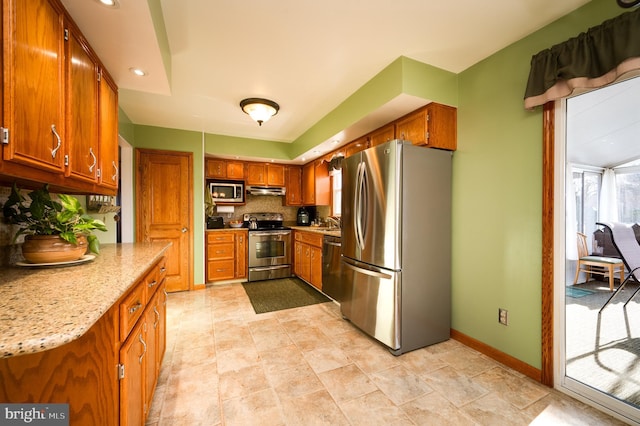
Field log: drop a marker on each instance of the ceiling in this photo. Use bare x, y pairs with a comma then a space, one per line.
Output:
204, 56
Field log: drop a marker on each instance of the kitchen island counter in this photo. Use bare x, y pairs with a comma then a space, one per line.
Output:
43, 308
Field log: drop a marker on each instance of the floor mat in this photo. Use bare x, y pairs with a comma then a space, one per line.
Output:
285, 293
578, 292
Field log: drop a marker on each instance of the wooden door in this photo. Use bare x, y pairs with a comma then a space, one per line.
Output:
132, 356
315, 273
293, 195
216, 168
235, 170
275, 175
256, 174
164, 208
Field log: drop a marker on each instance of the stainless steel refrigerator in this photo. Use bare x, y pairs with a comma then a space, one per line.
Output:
396, 244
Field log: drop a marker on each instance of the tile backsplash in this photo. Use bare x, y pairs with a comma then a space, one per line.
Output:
270, 204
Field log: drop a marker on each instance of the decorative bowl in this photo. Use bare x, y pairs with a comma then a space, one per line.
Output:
235, 223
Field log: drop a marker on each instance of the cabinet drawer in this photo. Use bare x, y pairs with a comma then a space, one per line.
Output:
152, 282
309, 237
220, 270
220, 251
131, 309
219, 237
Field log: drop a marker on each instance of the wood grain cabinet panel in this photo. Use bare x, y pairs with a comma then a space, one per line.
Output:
82, 108
109, 174
308, 257
383, 134
235, 169
216, 169
33, 85
434, 126
226, 254
293, 195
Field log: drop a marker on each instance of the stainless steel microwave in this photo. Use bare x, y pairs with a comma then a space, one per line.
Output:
227, 191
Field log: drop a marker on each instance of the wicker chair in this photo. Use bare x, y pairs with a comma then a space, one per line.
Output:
607, 265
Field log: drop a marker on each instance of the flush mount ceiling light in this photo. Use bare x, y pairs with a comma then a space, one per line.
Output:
109, 3
137, 71
261, 110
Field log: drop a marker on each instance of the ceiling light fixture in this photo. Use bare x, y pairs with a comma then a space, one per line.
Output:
261, 110
137, 71
109, 3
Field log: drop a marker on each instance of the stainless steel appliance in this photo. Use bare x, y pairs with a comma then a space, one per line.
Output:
269, 246
266, 190
396, 244
227, 191
332, 268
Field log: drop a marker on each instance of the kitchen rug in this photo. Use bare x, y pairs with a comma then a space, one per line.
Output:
578, 292
285, 293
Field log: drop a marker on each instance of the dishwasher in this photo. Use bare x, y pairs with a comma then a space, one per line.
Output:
332, 267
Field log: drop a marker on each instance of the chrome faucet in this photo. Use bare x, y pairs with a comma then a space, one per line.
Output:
334, 222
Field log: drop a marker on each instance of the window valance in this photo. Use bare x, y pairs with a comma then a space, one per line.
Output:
594, 58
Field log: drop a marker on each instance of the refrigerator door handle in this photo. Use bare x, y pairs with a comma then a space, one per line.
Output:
358, 205
368, 271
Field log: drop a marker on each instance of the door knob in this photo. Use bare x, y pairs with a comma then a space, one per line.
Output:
184, 230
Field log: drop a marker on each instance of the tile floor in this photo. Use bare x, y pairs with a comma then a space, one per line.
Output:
225, 365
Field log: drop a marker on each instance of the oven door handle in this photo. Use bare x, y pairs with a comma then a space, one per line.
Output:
269, 234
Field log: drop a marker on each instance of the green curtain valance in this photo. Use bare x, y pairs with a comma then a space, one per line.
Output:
594, 58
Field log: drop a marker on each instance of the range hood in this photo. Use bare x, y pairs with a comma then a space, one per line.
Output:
265, 190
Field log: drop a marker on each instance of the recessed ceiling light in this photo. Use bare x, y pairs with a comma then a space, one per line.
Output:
138, 71
109, 3
335, 141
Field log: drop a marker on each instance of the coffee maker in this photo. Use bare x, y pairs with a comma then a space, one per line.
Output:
303, 218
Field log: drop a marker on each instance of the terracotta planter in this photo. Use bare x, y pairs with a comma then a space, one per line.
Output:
52, 249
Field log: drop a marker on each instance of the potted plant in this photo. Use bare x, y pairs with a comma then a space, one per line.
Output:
55, 230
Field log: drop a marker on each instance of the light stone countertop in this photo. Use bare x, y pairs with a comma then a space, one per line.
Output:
318, 230
43, 308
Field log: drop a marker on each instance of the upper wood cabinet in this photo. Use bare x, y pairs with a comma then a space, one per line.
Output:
83, 150
51, 118
434, 126
356, 146
382, 135
316, 185
293, 196
109, 168
33, 86
268, 174
224, 169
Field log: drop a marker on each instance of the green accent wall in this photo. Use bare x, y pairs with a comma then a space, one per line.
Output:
497, 193
497, 176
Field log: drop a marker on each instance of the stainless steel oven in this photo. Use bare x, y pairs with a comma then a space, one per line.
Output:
269, 247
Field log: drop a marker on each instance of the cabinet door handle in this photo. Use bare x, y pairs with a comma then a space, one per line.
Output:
116, 171
144, 345
155, 310
54, 151
162, 270
95, 160
165, 296
152, 283
135, 307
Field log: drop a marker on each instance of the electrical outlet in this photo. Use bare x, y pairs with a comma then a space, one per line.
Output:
503, 316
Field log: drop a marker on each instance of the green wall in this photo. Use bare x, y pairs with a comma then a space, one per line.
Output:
497, 179
497, 193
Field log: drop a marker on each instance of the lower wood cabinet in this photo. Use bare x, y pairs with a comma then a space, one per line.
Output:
226, 255
108, 375
307, 263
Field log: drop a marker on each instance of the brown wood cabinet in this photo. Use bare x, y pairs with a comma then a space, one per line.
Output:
293, 196
316, 185
81, 156
383, 134
434, 126
307, 262
226, 254
109, 173
356, 146
107, 375
265, 174
50, 100
217, 168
